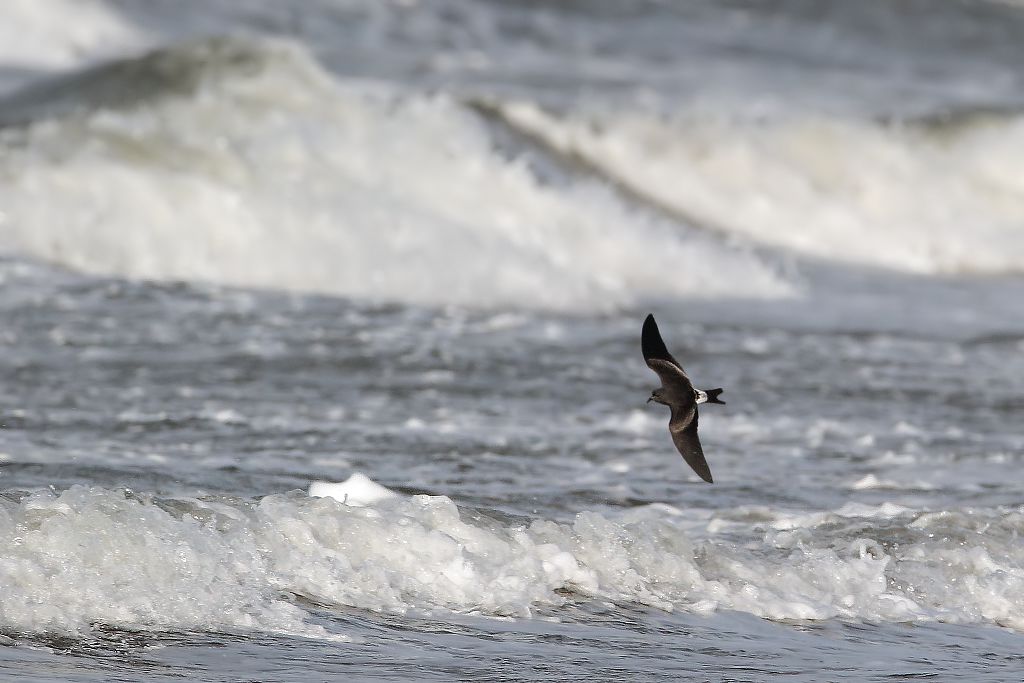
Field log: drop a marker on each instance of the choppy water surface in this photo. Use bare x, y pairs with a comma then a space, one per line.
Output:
243, 264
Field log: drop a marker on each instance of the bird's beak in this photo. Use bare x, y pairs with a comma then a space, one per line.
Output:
650, 398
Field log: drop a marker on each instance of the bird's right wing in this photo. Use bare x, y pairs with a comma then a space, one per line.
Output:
683, 427
653, 346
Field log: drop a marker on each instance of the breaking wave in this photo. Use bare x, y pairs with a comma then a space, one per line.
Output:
242, 162
92, 556
932, 196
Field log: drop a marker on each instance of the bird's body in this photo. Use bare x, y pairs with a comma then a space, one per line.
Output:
678, 393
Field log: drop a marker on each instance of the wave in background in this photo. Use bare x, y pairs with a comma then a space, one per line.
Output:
928, 197
242, 162
245, 162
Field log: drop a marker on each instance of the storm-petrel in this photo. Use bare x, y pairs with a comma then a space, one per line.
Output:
679, 394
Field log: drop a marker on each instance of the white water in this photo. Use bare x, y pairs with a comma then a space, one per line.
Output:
93, 555
248, 153
333, 188
358, 490
930, 199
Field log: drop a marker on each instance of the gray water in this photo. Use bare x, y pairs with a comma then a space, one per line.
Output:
416, 241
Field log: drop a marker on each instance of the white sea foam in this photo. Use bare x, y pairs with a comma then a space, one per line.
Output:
251, 166
923, 198
357, 490
91, 555
872, 481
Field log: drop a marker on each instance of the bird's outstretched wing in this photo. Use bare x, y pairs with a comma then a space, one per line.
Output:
683, 427
653, 346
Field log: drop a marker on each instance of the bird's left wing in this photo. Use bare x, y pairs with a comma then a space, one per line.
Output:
683, 427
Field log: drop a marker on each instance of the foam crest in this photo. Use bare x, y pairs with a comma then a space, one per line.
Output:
90, 555
928, 197
94, 556
243, 163
357, 490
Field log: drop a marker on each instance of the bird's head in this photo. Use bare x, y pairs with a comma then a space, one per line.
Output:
657, 396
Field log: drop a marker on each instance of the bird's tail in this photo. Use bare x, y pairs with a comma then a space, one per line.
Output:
713, 396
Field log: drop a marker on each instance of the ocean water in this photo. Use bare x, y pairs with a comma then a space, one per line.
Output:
251, 247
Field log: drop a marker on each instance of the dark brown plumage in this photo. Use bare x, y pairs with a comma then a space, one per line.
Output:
678, 393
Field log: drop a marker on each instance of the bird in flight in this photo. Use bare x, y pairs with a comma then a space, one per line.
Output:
678, 393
